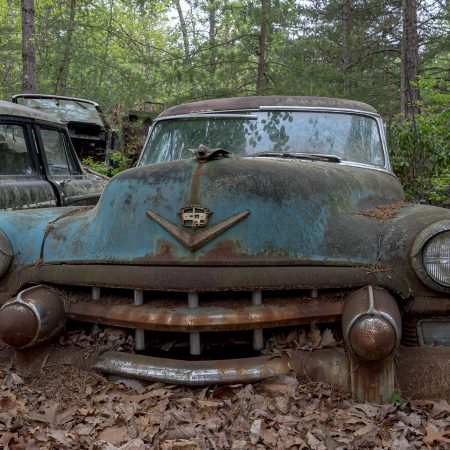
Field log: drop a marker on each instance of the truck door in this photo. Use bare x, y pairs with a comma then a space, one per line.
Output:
64, 170
22, 184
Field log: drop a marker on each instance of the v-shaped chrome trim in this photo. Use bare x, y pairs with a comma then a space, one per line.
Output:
199, 238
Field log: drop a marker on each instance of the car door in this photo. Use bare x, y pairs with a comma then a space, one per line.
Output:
22, 183
63, 168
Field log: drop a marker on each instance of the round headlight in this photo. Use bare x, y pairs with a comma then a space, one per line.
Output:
6, 254
430, 256
436, 258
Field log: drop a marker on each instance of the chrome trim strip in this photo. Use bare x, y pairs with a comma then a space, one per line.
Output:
318, 108
192, 373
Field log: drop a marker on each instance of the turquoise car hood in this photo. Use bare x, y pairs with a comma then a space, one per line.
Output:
263, 211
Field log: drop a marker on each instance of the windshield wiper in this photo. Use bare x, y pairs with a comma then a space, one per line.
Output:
299, 155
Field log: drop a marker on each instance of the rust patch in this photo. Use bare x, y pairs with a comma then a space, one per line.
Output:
195, 185
424, 372
217, 316
383, 212
72, 212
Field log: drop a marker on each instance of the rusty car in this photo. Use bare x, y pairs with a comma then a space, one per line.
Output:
91, 134
246, 219
38, 165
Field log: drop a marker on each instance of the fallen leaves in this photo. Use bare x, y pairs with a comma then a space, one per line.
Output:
69, 409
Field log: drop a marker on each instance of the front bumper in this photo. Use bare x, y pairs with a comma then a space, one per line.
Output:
420, 373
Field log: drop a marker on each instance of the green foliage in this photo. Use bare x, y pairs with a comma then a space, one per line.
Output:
396, 398
420, 146
119, 163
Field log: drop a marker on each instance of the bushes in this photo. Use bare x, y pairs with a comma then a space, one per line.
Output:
420, 147
119, 162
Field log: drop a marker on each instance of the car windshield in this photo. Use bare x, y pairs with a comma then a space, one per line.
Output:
65, 110
350, 137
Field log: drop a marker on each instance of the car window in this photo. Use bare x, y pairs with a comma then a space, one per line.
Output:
59, 159
351, 137
14, 153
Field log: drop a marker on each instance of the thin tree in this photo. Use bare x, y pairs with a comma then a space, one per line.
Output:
261, 79
184, 32
29, 77
212, 8
410, 51
61, 79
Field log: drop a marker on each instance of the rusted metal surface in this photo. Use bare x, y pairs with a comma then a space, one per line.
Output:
429, 306
373, 381
420, 373
236, 103
18, 325
372, 338
332, 366
423, 372
194, 242
179, 278
206, 318
371, 323
281, 197
192, 373
6, 254
35, 315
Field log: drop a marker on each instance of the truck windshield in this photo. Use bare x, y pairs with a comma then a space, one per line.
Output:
63, 109
351, 137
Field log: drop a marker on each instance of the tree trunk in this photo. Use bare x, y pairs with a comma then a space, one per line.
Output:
108, 40
409, 88
29, 78
346, 36
212, 36
10, 61
261, 80
187, 55
61, 80
147, 46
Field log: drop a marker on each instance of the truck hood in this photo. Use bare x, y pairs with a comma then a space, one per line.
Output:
261, 211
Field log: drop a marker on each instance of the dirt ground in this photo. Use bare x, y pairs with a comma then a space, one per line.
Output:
65, 408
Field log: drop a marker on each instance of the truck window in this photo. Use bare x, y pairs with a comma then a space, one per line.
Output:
14, 153
59, 159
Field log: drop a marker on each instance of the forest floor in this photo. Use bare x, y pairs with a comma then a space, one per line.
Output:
65, 408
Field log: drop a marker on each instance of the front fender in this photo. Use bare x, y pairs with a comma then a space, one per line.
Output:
397, 238
25, 231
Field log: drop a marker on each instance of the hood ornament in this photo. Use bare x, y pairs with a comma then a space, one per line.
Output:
203, 153
194, 216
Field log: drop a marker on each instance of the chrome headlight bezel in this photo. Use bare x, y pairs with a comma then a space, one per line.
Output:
417, 254
6, 254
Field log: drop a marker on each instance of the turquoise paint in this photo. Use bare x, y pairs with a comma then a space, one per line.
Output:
300, 212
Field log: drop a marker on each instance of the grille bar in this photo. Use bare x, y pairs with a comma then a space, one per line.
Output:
179, 318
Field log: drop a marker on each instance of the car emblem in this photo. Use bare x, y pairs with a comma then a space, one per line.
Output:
193, 240
194, 216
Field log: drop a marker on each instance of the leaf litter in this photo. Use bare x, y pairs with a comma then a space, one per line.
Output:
66, 408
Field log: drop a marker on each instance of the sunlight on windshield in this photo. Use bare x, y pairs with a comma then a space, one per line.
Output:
351, 137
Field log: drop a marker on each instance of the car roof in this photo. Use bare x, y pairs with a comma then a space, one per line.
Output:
237, 103
59, 97
13, 109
